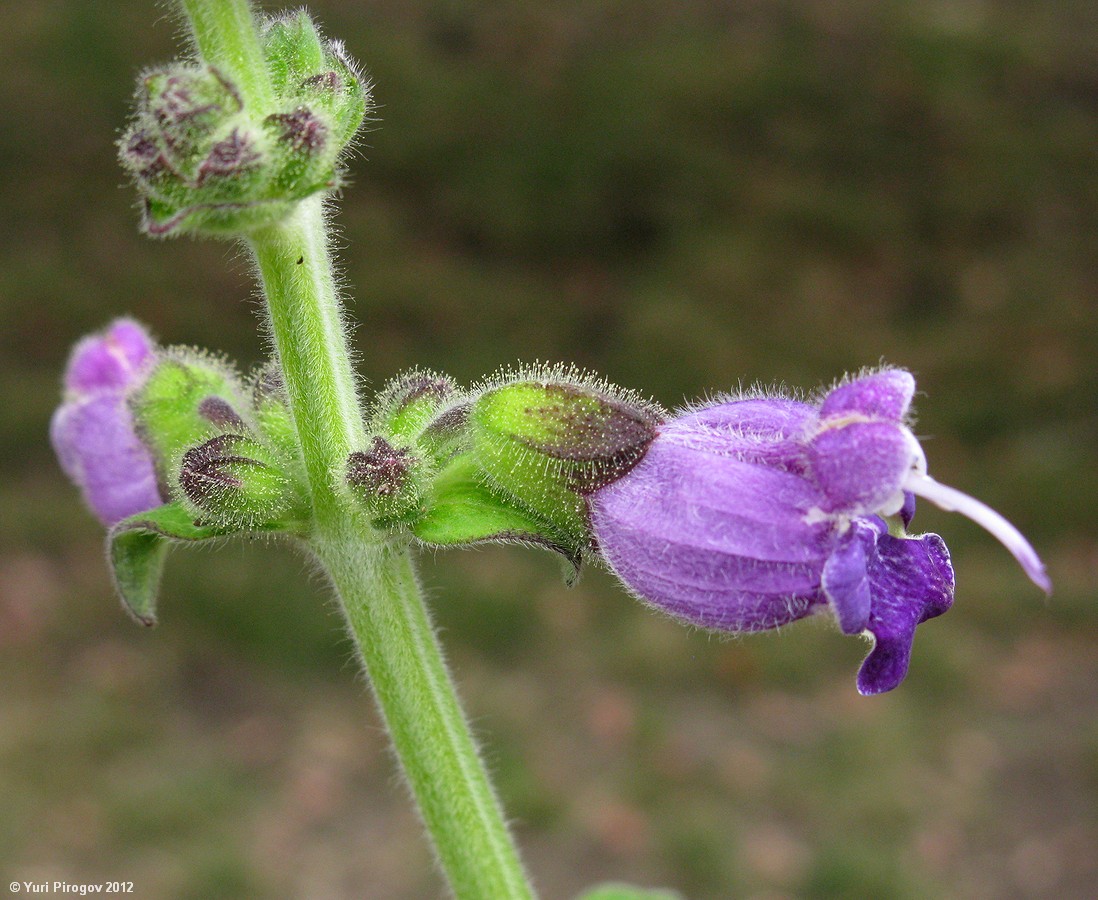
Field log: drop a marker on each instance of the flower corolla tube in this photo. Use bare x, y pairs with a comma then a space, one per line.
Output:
749, 514
93, 431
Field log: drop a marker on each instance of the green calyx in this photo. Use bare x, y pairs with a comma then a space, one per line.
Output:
392, 476
272, 411
465, 508
206, 161
235, 481
511, 462
409, 403
188, 397
548, 443
227, 455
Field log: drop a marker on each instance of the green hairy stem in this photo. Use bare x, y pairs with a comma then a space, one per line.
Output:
371, 571
225, 34
384, 606
296, 272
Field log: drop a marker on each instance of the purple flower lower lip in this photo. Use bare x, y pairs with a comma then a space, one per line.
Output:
753, 513
93, 432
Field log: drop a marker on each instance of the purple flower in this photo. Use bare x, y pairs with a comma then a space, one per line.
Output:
753, 513
93, 432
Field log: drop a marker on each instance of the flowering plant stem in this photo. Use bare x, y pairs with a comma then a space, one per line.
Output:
371, 571
373, 574
224, 32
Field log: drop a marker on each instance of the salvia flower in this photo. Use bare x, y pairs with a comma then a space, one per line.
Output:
93, 432
752, 513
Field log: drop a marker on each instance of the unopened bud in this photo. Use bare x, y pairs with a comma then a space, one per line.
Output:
209, 160
228, 163
302, 149
384, 478
236, 481
294, 49
272, 410
186, 398
319, 72
188, 103
409, 402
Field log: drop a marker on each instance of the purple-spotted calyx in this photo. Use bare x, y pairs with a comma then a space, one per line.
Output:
93, 431
207, 159
752, 513
384, 477
550, 441
236, 481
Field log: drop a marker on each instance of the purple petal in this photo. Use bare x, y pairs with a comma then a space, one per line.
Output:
97, 447
108, 361
713, 540
883, 395
767, 419
724, 609
846, 579
911, 581
714, 502
860, 466
769, 432
704, 566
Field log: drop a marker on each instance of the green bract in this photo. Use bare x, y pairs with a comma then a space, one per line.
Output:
207, 160
137, 548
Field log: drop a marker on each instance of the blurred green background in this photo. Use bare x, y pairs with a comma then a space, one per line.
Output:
685, 197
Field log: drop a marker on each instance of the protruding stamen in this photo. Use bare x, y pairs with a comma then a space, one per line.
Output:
953, 500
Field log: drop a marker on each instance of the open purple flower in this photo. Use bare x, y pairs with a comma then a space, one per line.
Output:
93, 431
752, 513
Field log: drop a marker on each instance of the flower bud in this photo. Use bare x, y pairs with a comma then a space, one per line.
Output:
93, 432
294, 49
548, 443
236, 481
319, 72
188, 104
272, 410
384, 478
408, 403
187, 397
208, 160
301, 145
